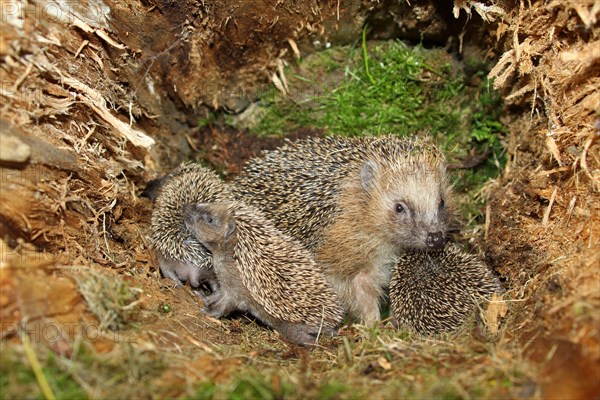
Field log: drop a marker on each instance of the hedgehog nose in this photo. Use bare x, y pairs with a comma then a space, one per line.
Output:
435, 240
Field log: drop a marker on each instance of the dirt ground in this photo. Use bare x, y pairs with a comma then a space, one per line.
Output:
94, 108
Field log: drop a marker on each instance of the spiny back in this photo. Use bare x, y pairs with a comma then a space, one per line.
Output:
297, 185
281, 274
189, 183
437, 291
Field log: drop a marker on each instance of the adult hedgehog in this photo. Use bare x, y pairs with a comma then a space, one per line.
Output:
356, 204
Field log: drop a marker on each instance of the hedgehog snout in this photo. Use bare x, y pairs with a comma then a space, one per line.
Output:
435, 240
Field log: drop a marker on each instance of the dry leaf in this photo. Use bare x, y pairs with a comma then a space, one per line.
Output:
383, 363
496, 310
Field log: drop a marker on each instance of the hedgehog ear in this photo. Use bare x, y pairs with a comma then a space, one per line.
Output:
202, 207
368, 175
230, 230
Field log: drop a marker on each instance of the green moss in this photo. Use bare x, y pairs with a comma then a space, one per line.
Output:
110, 298
403, 91
392, 88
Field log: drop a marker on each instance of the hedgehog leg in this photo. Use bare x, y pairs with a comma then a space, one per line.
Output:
218, 304
199, 276
363, 299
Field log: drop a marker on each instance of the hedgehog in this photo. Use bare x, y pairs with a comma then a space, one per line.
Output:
356, 203
436, 291
180, 256
263, 271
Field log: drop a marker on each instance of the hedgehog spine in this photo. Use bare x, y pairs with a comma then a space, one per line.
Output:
263, 271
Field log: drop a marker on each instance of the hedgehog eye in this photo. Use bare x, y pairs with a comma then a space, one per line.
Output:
442, 203
208, 219
399, 208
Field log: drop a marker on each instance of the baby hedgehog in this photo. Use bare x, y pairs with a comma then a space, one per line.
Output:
180, 256
436, 291
356, 203
263, 271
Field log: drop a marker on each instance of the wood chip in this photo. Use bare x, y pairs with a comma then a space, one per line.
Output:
98, 32
96, 102
81, 47
278, 84
13, 149
551, 144
294, 47
549, 208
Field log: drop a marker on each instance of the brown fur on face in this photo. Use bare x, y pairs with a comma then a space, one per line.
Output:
403, 202
387, 206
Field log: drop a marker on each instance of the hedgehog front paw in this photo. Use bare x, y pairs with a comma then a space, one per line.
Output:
181, 272
210, 301
217, 304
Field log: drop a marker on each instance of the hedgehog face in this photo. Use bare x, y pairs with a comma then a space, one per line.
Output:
212, 224
414, 200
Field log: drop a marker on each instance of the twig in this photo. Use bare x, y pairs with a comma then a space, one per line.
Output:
570, 209
549, 209
37, 369
472, 162
22, 78
347, 349
321, 324
104, 234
